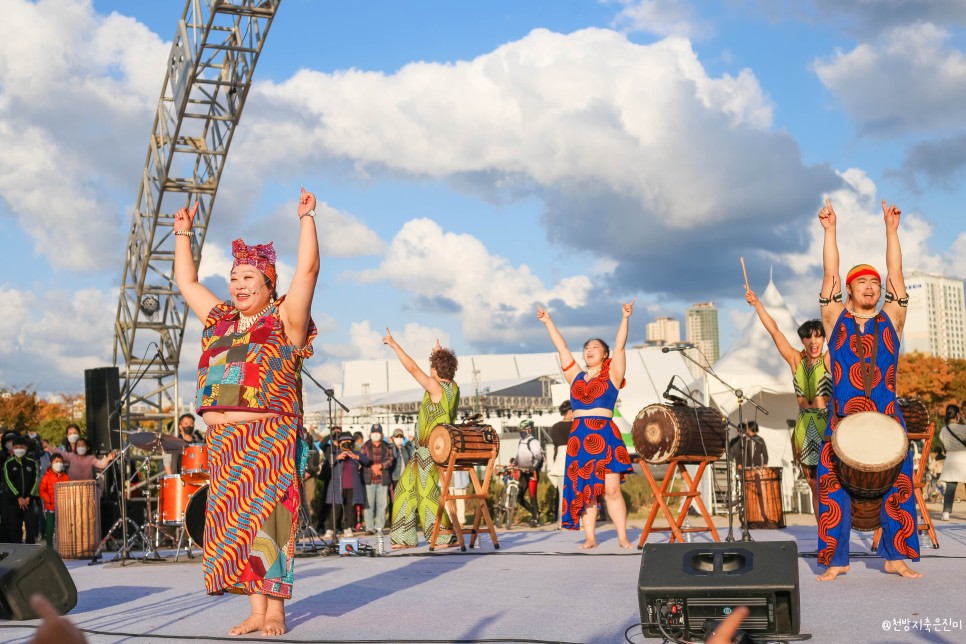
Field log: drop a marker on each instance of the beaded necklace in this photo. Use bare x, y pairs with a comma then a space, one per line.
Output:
245, 322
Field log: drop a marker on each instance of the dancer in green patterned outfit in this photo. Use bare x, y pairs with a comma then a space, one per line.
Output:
813, 387
417, 494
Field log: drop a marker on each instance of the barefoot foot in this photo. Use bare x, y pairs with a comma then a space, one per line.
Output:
401, 546
587, 545
832, 573
254, 623
626, 545
273, 626
901, 568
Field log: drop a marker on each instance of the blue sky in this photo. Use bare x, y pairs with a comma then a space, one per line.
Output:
477, 158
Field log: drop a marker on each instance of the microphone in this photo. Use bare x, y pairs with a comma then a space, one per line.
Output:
255, 292
669, 396
681, 346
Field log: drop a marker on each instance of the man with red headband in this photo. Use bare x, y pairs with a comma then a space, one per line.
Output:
864, 353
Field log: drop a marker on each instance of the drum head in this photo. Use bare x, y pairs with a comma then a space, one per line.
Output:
869, 441
194, 516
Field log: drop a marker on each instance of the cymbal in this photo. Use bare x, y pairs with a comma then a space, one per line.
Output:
151, 441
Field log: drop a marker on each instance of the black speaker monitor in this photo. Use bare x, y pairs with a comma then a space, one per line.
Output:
683, 584
28, 570
102, 391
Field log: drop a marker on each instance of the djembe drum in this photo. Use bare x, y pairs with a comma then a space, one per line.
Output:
78, 518
870, 448
472, 444
663, 432
763, 498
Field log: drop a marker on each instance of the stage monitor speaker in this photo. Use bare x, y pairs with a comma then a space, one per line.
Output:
28, 570
102, 390
683, 584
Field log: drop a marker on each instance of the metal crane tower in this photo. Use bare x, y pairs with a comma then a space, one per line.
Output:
209, 73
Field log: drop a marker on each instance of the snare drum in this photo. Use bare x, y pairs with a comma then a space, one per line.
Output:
870, 448
173, 495
763, 498
663, 432
194, 463
472, 444
77, 517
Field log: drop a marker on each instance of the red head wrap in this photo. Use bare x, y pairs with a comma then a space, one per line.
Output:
860, 270
261, 256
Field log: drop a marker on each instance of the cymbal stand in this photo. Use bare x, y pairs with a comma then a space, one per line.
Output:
150, 520
332, 546
124, 522
306, 531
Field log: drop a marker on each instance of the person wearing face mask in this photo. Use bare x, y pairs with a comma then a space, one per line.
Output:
377, 476
73, 435
402, 451
54, 474
21, 480
81, 464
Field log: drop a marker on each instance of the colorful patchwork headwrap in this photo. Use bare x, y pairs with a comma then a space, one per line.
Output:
261, 256
860, 270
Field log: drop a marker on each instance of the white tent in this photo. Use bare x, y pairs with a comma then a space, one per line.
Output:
754, 366
374, 383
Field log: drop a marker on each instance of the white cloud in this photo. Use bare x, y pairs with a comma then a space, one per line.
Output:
662, 18
908, 80
860, 233
366, 343
75, 90
456, 274
55, 336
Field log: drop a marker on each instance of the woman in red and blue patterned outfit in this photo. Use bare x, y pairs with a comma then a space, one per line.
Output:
596, 456
863, 356
250, 396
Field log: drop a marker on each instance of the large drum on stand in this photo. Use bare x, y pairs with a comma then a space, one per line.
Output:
870, 449
78, 519
763, 498
472, 444
663, 432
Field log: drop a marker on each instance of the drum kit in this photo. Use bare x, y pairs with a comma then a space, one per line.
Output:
175, 503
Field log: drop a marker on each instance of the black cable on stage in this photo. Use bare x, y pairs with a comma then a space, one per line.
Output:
259, 638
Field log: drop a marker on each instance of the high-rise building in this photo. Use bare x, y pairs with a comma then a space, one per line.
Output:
661, 331
701, 326
936, 318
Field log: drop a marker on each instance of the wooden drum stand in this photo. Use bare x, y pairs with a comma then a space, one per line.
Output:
460, 448
925, 523
676, 523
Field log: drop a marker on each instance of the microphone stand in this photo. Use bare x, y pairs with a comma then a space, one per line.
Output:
123, 554
740, 397
332, 547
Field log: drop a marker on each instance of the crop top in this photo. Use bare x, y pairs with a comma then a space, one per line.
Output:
258, 370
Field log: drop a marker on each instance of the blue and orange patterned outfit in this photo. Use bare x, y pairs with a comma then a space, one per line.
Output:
256, 466
856, 389
594, 448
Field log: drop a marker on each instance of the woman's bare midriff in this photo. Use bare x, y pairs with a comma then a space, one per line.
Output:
596, 411
819, 403
233, 416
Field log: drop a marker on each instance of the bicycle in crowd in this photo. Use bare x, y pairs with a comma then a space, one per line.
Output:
506, 508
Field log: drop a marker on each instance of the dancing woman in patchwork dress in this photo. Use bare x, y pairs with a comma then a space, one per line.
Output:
596, 456
417, 494
250, 396
813, 386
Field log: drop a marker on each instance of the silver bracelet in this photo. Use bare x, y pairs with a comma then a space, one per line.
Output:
185, 233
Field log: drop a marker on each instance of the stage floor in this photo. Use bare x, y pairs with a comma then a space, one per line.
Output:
538, 587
